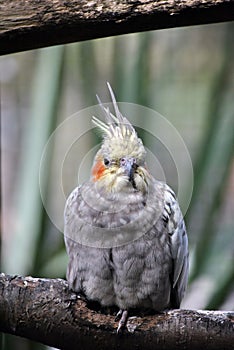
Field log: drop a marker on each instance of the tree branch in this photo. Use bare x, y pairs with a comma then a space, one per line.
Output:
46, 311
32, 24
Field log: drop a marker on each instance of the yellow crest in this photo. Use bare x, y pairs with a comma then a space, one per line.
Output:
120, 137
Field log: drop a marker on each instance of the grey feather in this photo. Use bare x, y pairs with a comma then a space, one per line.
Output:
136, 274
127, 247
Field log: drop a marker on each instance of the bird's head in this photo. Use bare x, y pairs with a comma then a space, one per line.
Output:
119, 165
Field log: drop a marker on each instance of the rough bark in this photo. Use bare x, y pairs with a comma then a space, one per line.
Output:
46, 311
32, 24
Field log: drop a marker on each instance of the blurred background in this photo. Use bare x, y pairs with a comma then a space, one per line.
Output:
185, 74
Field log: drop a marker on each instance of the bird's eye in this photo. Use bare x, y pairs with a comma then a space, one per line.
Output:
106, 161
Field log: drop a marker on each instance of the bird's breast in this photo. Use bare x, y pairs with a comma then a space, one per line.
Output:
106, 221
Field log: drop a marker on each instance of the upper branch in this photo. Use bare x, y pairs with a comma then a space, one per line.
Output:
32, 24
46, 311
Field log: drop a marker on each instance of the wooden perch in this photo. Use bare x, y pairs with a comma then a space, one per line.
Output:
32, 24
45, 310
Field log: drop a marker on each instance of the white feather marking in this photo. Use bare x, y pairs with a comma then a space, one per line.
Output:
117, 112
116, 126
100, 123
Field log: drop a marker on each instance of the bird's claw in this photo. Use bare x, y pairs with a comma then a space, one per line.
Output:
123, 314
118, 315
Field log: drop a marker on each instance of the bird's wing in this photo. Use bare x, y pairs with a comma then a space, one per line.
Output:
70, 210
178, 244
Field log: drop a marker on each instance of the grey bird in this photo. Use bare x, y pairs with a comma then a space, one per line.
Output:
124, 231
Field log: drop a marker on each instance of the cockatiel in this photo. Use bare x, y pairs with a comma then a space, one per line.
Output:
124, 232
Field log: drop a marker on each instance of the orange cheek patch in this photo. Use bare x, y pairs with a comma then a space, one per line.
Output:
98, 170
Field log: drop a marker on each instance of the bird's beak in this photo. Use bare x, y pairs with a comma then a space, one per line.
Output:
129, 167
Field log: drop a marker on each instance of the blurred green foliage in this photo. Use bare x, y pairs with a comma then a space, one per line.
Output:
185, 74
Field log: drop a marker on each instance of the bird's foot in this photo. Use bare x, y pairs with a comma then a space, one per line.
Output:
122, 316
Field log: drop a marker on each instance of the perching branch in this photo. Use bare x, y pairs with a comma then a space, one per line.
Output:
46, 311
32, 24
